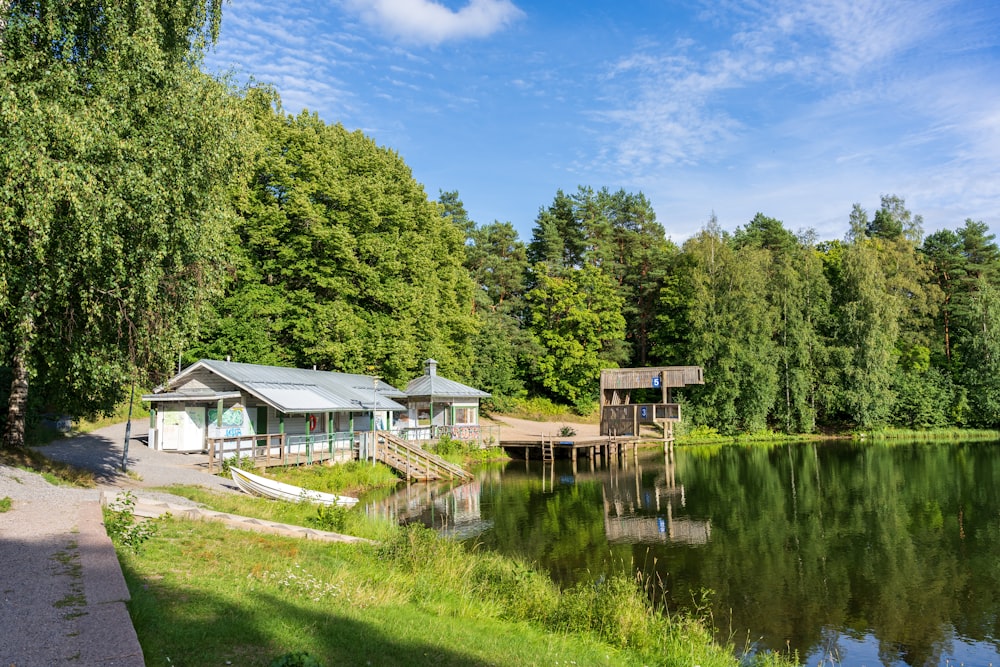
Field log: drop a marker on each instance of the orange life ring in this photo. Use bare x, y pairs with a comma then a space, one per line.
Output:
312, 423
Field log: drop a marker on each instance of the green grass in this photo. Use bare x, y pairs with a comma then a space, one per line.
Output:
6, 504
938, 435
350, 478
296, 514
203, 594
54, 472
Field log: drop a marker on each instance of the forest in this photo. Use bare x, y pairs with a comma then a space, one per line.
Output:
151, 214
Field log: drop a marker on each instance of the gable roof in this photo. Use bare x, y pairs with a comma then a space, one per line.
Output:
294, 390
431, 385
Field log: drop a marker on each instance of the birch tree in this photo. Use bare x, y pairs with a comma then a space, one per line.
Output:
113, 194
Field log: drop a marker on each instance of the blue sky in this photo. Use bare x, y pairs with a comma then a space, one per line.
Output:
792, 108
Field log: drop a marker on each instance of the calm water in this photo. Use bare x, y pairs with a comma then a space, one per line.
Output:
847, 554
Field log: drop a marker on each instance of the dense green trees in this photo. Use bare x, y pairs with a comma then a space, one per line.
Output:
147, 209
343, 262
117, 155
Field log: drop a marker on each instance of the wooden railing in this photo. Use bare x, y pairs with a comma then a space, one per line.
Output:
483, 436
273, 449
414, 462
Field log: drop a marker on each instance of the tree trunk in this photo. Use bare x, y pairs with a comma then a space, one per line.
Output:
17, 404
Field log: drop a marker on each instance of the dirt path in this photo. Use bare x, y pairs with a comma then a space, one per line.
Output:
512, 428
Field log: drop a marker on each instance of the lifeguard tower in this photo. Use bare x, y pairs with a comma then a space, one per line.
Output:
621, 415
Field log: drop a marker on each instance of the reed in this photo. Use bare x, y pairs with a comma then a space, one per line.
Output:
936, 435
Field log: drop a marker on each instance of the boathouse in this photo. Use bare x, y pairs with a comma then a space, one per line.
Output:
214, 402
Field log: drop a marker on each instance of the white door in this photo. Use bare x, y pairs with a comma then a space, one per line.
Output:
171, 429
193, 427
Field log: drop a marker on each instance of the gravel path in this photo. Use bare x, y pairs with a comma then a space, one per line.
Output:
62, 594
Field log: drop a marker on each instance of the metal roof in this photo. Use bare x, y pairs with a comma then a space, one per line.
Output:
434, 386
189, 396
298, 390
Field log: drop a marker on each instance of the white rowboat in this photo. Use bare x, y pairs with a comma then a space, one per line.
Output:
269, 488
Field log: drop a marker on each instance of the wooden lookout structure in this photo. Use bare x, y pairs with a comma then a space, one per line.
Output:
621, 415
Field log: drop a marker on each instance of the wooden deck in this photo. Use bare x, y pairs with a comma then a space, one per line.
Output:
278, 449
546, 449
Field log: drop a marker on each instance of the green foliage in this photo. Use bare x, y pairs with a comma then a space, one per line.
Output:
296, 659
343, 262
240, 462
431, 592
351, 477
722, 287
6, 504
616, 609
576, 317
332, 518
446, 445
700, 433
117, 159
123, 528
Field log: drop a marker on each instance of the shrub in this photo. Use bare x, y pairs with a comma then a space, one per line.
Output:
122, 527
240, 462
447, 445
332, 518
5, 504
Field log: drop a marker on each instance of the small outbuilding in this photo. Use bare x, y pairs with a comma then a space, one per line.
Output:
438, 406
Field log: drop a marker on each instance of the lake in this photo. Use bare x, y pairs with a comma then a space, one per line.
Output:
845, 553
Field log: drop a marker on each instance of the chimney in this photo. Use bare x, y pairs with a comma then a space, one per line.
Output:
430, 367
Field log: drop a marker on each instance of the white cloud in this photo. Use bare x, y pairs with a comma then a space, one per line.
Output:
429, 22
807, 108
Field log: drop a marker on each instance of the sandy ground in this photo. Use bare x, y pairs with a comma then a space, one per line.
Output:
526, 429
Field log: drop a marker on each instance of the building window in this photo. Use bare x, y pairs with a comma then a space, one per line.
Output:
423, 414
465, 415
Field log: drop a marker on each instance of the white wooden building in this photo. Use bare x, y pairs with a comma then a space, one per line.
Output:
212, 400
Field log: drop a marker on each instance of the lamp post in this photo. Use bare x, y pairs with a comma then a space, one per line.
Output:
128, 429
375, 380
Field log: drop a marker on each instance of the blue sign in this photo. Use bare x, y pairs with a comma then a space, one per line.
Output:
656, 382
643, 412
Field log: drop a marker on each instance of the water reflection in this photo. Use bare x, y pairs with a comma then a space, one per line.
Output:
848, 555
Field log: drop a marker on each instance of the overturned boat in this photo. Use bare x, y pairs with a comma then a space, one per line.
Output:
269, 488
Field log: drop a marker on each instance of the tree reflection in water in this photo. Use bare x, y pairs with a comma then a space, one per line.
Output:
844, 553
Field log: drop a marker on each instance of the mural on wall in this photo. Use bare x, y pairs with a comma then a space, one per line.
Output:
235, 422
172, 418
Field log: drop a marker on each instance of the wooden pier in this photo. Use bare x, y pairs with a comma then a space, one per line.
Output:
546, 449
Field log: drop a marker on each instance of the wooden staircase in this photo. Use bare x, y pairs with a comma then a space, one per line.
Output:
413, 462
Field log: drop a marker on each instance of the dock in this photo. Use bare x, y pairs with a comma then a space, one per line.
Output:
547, 449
